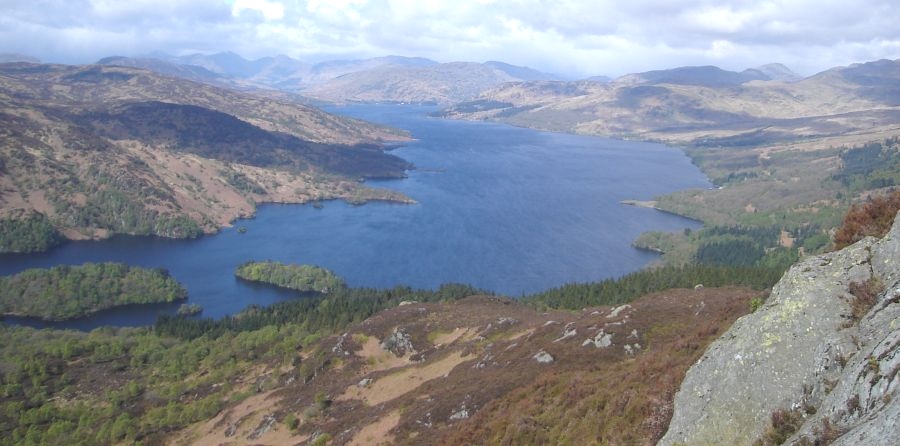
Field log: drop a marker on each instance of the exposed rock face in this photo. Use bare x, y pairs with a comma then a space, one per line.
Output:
398, 343
801, 351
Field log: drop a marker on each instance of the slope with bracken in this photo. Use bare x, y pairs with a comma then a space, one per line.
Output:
485, 369
96, 150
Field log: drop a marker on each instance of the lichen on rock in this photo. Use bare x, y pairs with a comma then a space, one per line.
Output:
804, 350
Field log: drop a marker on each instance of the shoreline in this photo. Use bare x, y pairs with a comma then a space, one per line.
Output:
652, 204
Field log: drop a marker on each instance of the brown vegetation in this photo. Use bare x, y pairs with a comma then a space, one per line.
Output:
472, 374
865, 295
872, 218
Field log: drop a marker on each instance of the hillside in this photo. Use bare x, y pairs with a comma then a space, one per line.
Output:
488, 370
703, 105
90, 151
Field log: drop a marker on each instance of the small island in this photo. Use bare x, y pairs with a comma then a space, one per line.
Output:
68, 292
296, 277
189, 310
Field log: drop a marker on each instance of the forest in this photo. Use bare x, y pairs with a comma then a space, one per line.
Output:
32, 233
65, 292
626, 288
295, 277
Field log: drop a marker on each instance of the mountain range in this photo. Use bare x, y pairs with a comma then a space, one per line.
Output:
406, 79
380, 79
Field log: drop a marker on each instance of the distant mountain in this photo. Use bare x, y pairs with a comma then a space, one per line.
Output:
703, 105
778, 72
189, 72
225, 63
90, 151
328, 70
522, 73
707, 76
389, 78
599, 79
15, 57
436, 83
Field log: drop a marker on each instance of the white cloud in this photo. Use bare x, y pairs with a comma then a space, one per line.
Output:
575, 36
269, 10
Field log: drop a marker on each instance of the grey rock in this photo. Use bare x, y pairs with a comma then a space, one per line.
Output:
543, 357
267, 423
568, 332
801, 349
601, 340
615, 311
398, 343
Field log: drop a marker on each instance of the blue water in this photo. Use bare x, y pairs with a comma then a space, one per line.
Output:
502, 208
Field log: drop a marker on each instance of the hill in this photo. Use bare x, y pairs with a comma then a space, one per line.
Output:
707, 76
90, 151
702, 105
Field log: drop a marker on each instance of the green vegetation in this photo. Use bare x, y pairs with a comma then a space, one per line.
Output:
135, 385
189, 309
337, 309
871, 166
241, 182
126, 212
773, 207
32, 233
630, 286
121, 386
65, 292
295, 277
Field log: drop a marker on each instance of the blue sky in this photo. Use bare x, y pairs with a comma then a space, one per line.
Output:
576, 38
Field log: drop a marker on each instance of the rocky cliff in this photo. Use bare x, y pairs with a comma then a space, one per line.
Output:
817, 364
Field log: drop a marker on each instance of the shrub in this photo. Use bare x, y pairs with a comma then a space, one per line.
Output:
784, 423
865, 295
873, 218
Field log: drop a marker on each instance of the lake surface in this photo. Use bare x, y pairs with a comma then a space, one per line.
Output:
502, 208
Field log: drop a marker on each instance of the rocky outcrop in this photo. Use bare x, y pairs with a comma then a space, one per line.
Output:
814, 350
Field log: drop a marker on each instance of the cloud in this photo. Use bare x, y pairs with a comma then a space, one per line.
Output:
577, 37
269, 10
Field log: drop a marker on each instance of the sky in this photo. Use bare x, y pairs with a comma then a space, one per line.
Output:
575, 38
